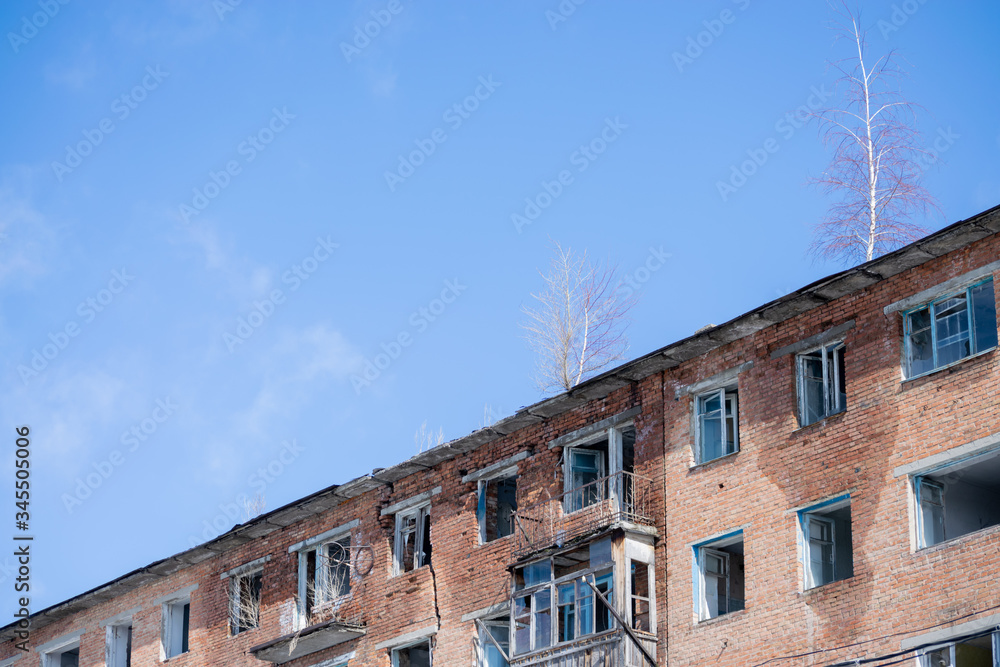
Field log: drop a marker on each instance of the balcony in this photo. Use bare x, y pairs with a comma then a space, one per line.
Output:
622, 497
608, 648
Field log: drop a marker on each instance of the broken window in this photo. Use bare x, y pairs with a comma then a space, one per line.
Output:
950, 329
176, 627
826, 540
497, 503
639, 582
958, 499
415, 655
244, 601
720, 582
499, 632
981, 651
592, 466
119, 645
718, 424
552, 605
413, 539
821, 383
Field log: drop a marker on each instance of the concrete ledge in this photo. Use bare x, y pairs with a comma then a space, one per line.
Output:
979, 447
945, 635
408, 637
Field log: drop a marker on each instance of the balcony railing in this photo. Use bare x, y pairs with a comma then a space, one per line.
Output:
620, 497
609, 648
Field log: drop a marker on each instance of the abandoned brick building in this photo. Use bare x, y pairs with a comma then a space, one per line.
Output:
812, 483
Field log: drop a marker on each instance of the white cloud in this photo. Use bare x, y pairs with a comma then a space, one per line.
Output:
25, 235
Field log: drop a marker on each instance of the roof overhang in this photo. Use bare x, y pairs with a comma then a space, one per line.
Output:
306, 641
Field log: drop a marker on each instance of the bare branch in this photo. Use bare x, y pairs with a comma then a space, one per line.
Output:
578, 326
874, 175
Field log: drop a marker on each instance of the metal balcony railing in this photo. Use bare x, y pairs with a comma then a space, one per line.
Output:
619, 497
609, 648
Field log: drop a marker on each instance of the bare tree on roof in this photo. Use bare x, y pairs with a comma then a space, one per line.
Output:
577, 327
874, 175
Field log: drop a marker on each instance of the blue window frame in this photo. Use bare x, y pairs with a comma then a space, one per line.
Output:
950, 329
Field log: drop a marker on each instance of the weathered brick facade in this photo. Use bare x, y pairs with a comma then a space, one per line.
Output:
871, 451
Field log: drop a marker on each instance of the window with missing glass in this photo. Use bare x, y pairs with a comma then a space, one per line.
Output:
717, 424
412, 543
950, 329
822, 383
551, 604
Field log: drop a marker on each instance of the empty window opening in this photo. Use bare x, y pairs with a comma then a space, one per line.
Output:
720, 582
499, 630
827, 547
417, 655
551, 605
244, 601
639, 577
67, 656
413, 539
959, 499
822, 383
176, 627
950, 329
497, 503
718, 424
119, 646
981, 651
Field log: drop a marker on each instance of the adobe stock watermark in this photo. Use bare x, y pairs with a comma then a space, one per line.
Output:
419, 321
634, 280
901, 13
133, 438
230, 513
370, 29
248, 149
122, 107
223, 7
562, 13
581, 158
293, 277
87, 310
31, 25
455, 116
697, 44
785, 127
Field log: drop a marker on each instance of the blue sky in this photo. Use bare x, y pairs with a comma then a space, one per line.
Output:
277, 138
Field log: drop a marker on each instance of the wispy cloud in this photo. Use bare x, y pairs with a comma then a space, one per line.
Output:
25, 235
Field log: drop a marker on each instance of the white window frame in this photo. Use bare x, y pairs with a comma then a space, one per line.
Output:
315, 544
831, 381
422, 513
426, 640
118, 644
172, 624
613, 436
712, 548
919, 482
729, 399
